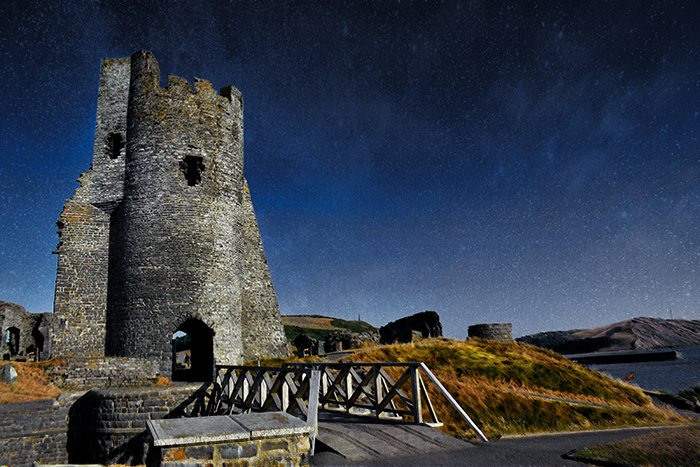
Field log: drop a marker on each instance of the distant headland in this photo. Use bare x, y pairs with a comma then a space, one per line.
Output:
637, 334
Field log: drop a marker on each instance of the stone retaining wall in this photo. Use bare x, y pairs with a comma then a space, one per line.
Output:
112, 372
104, 426
112, 422
270, 438
36, 431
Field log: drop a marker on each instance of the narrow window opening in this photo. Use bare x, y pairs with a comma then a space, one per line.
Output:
192, 167
115, 143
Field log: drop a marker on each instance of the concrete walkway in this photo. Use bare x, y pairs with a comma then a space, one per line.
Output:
522, 451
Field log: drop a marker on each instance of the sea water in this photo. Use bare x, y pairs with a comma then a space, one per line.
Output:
669, 376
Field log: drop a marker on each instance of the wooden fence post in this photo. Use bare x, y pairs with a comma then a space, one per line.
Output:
415, 389
451, 400
312, 413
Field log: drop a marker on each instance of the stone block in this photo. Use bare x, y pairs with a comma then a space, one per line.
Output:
8, 374
272, 424
238, 451
197, 430
259, 439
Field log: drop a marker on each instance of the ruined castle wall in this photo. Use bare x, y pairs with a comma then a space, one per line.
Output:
81, 279
501, 332
107, 372
80, 299
14, 319
263, 332
161, 236
177, 233
109, 150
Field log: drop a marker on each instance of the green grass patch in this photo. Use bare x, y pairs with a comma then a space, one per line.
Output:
354, 326
318, 327
677, 447
692, 394
315, 333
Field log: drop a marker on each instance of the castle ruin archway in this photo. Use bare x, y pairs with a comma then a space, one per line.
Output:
195, 360
12, 341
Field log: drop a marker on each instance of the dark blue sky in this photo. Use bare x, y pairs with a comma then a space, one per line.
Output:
527, 162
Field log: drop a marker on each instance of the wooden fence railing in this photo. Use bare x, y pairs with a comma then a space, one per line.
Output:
365, 389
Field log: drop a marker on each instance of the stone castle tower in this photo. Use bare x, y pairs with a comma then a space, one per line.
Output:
161, 236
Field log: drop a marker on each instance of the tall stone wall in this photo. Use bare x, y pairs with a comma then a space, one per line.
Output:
263, 332
80, 299
109, 148
84, 226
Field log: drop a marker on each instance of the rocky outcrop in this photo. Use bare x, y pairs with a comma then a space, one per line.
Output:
634, 334
343, 340
426, 323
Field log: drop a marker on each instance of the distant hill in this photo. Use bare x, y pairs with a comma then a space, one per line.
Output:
634, 334
318, 327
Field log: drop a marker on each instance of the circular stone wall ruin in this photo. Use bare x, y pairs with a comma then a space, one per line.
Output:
501, 332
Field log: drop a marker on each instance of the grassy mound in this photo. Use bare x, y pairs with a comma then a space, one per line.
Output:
517, 388
318, 327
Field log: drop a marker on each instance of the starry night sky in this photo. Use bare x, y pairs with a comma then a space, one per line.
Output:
495, 161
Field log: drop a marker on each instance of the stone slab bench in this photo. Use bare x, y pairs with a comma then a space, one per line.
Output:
254, 438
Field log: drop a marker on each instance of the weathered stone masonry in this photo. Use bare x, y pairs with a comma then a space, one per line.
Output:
161, 235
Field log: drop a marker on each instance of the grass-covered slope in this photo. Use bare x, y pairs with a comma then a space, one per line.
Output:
318, 327
676, 447
635, 334
517, 388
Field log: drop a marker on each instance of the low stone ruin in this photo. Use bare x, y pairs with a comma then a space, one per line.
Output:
406, 330
24, 333
343, 340
306, 345
500, 332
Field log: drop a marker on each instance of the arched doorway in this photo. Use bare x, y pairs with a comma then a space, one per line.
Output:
13, 341
38, 344
193, 352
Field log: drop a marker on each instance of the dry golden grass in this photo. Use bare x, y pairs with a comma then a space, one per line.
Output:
309, 322
32, 383
513, 388
678, 447
163, 381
